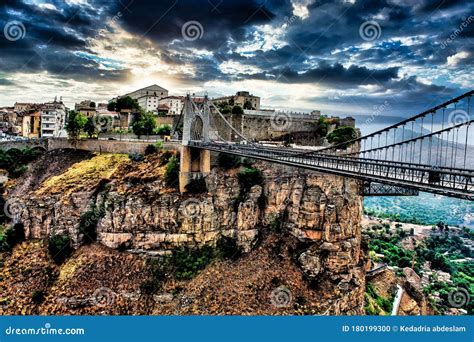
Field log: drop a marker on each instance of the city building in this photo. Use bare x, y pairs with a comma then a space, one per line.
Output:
148, 98
87, 108
31, 125
53, 119
172, 105
242, 98
113, 118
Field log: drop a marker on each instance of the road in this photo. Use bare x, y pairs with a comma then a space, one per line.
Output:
396, 301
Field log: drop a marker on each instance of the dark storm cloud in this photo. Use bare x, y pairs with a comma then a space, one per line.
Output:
325, 47
162, 21
336, 75
51, 36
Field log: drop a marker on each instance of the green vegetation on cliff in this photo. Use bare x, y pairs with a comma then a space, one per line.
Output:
341, 134
10, 236
375, 303
15, 160
446, 250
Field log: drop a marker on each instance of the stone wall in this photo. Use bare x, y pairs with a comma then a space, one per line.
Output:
108, 146
93, 145
32, 143
269, 128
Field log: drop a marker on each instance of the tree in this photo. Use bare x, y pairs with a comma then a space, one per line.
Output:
144, 123
138, 128
90, 127
75, 124
322, 128
225, 110
341, 135
111, 106
172, 172
126, 103
163, 130
237, 110
92, 104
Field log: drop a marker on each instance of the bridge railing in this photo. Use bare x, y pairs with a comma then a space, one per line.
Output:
456, 183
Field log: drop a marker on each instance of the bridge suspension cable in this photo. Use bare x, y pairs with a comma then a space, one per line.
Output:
427, 152
438, 137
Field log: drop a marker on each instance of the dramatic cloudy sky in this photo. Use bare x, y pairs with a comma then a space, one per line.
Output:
340, 56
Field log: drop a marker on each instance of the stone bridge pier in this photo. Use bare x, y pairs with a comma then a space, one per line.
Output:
194, 163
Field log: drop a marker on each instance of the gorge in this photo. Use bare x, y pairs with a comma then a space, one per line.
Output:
296, 230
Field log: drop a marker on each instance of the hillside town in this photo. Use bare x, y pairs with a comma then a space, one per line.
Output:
46, 120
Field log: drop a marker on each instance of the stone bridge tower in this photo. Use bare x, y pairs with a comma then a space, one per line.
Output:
194, 162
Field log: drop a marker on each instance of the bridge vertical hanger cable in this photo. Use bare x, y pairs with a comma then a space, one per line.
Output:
452, 142
394, 140
177, 122
440, 142
228, 124
421, 140
467, 130
408, 145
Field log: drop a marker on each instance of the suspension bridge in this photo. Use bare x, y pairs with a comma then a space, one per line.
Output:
430, 151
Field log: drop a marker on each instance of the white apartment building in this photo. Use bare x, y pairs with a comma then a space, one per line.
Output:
148, 98
53, 119
174, 104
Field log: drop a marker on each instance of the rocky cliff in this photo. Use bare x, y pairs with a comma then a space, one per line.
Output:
317, 218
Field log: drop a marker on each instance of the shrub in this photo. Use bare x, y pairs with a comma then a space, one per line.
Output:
9, 237
17, 171
150, 149
188, 262
248, 178
196, 186
37, 296
172, 172
4, 246
248, 162
228, 161
136, 157
165, 157
60, 247
14, 160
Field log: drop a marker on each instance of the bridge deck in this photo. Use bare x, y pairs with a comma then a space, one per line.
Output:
445, 181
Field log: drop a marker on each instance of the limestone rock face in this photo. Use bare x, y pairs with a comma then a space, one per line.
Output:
322, 212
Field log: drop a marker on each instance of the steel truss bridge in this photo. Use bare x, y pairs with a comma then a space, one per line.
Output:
430, 151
